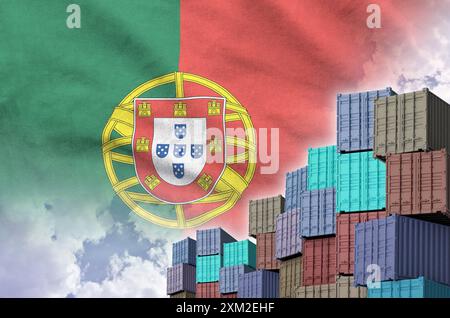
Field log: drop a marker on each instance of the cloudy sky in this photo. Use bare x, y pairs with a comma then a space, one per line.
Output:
106, 251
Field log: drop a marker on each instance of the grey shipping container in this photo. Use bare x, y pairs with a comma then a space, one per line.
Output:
258, 284
401, 247
263, 214
290, 276
318, 213
229, 277
183, 252
183, 294
288, 241
355, 119
210, 242
417, 121
181, 277
296, 184
343, 288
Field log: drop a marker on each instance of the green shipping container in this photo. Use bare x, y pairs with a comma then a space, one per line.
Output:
208, 268
239, 253
322, 167
410, 288
361, 183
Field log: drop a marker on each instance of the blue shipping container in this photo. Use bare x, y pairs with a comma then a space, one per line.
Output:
210, 242
321, 167
240, 252
288, 241
181, 277
183, 252
208, 268
410, 288
401, 247
229, 278
258, 284
296, 184
355, 119
318, 213
361, 183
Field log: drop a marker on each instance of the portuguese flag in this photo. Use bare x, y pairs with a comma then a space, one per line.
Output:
281, 62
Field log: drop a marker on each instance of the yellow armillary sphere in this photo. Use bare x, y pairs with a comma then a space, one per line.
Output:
117, 139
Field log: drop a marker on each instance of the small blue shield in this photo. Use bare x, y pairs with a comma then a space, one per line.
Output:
180, 130
178, 170
162, 150
196, 151
179, 150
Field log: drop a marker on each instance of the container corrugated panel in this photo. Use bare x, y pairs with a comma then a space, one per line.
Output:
184, 251
265, 252
208, 290
361, 183
296, 183
343, 288
290, 277
210, 241
418, 184
318, 213
231, 295
410, 288
263, 214
229, 277
208, 268
355, 119
183, 294
181, 277
345, 237
319, 261
241, 252
288, 240
403, 248
410, 122
321, 167
258, 284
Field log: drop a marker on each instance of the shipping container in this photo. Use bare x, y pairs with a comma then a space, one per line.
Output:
361, 183
181, 277
184, 251
265, 252
183, 294
417, 121
399, 247
410, 288
208, 290
288, 241
229, 277
258, 284
418, 184
241, 252
343, 288
296, 184
318, 213
263, 214
321, 168
355, 120
208, 268
290, 276
319, 261
231, 295
345, 237
210, 242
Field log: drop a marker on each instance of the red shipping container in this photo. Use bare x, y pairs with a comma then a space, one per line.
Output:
345, 237
231, 295
418, 184
319, 261
265, 252
208, 290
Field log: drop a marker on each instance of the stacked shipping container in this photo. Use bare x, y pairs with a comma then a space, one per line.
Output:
181, 276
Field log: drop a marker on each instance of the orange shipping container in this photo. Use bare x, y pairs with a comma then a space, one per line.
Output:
265, 252
208, 290
319, 261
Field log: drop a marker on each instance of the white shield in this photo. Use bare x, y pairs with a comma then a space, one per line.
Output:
167, 145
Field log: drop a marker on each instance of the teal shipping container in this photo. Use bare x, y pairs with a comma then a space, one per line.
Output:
239, 253
410, 288
208, 268
361, 183
321, 168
